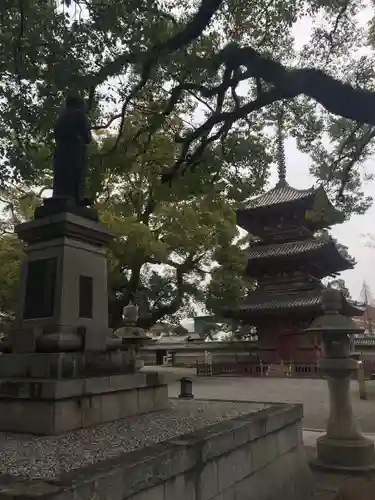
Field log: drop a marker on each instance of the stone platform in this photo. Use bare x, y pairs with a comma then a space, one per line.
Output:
62, 367
49, 407
193, 450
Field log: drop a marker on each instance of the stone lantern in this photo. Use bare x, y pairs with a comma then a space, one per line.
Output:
133, 337
186, 388
343, 446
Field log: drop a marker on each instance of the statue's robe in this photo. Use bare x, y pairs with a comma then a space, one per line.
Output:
72, 135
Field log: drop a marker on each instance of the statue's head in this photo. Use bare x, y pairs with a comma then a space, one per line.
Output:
75, 101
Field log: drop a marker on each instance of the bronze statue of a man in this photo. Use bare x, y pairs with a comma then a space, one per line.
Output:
72, 135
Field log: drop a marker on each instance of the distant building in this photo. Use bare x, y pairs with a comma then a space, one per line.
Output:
367, 320
203, 324
167, 330
178, 339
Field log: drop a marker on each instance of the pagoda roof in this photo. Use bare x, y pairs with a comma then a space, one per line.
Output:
318, 210
261, 303
287, 249
281, 193
324, 248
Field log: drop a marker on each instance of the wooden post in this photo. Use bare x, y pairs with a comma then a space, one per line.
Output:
361, 380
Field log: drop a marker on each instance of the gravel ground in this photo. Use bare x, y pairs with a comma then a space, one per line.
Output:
31, 457
312, 393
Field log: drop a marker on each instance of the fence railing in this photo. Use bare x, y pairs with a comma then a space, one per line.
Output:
305, 370
282, 370
364, 342
230, 368
294, 370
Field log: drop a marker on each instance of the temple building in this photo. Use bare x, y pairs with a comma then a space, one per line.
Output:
288, 260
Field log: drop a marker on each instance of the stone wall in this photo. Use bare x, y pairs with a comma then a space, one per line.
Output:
242, 460
257, 456
189, 353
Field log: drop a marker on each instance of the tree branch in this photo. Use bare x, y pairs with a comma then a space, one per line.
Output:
331, 34
286, 83
193, 29
202, 132
336, 97
174, 306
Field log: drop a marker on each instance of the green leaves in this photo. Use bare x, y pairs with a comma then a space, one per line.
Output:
227, 288
101, 48
10, 258
145, 103
168, 238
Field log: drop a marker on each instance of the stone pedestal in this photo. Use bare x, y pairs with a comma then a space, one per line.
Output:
63, 299
63, 369
343, 447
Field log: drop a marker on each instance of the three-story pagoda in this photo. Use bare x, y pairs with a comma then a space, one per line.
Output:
288, 262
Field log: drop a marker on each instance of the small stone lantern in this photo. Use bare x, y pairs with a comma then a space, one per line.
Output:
130, 314
186, 388
343, 447
133, 337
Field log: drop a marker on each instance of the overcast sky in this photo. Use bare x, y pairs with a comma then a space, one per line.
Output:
353, 232
350, 233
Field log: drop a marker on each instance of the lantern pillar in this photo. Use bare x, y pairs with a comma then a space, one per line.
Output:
343, 447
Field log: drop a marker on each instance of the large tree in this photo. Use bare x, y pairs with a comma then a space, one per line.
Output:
166, 239
367, 300
207, 75
17, 206
232, 58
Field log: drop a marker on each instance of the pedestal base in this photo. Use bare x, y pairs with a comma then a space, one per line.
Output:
186, 396
63, 285
345, 455
57, 205
49, 407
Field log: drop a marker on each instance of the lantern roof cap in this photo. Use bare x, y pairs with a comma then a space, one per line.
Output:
332, 321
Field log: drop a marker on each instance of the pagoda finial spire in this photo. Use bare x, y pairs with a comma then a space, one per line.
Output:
281, 165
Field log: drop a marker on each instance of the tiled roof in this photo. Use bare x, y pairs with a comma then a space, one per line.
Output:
262, 302
284, 249
280, 194
259, 301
